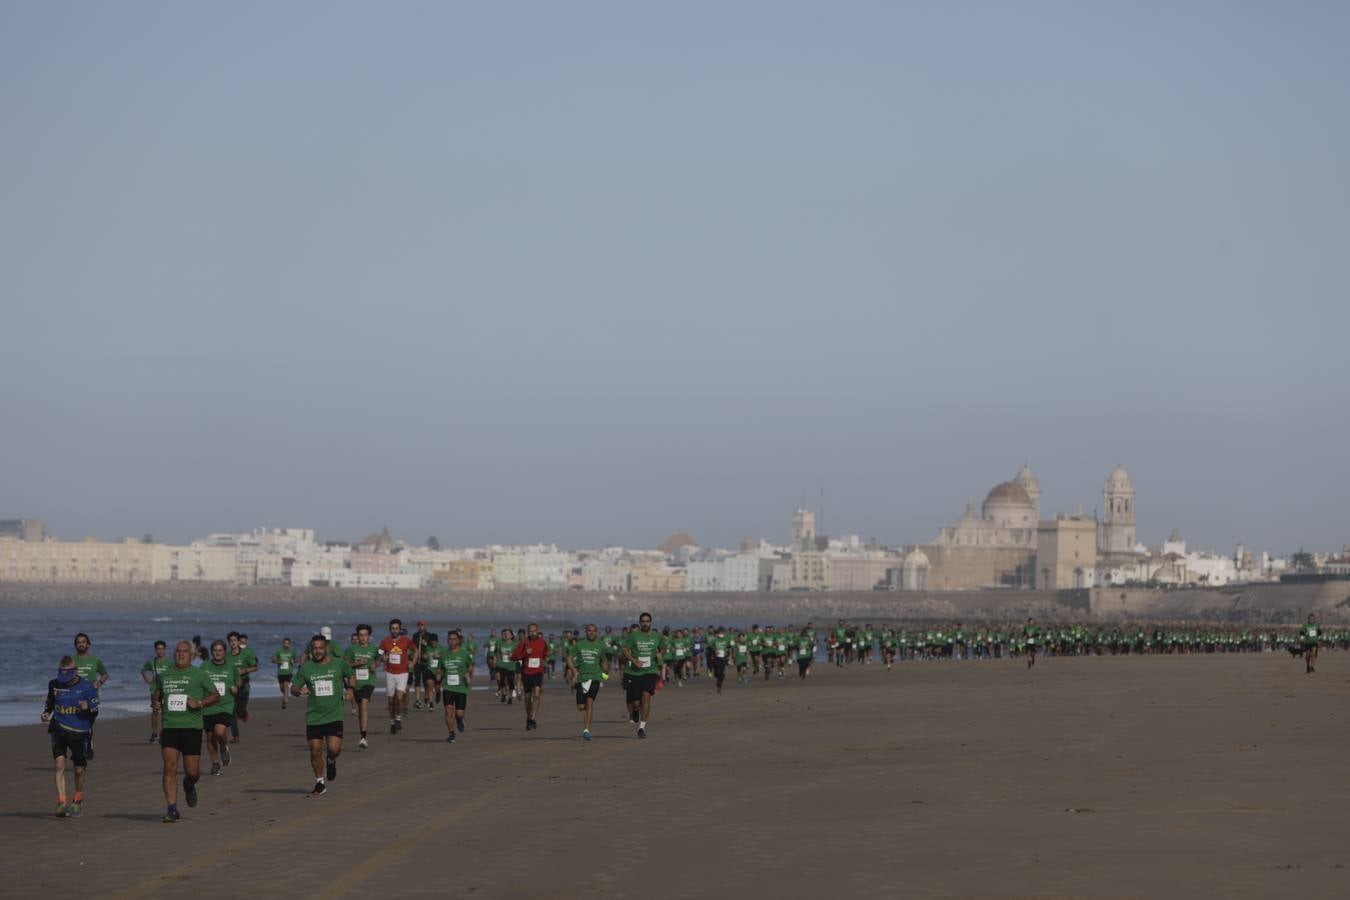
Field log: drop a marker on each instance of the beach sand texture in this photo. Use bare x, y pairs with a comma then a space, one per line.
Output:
1129, 776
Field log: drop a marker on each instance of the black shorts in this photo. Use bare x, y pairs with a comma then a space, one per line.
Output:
364, 693
222, 719
641, 684
326, 730
803, 664
457, 699
76, 743
530, 682
187, 741
283, 680
583, 695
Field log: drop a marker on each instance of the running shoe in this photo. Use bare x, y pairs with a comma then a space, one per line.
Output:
450, 738
190, 793
642, 732
154, 736
393, 727
62, 810
585, 734
319, 789
74, 808
171, 814
459, 725
331, 771
215, 768
225, 755
363, 744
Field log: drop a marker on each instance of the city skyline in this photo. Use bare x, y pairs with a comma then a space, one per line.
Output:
592, 277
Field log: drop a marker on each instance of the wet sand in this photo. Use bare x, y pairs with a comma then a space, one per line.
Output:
1161, 776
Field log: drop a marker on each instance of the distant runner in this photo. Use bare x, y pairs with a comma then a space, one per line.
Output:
1030, 635
69, 713
285, 663
586, 659
153, 666
398, 655
719, 650
362, 656
92, 670
457, 677
642, 650
325, 681
224, 677
1311, 634
531, 653
181, 692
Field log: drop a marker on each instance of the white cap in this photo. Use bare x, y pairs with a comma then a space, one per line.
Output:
326, 632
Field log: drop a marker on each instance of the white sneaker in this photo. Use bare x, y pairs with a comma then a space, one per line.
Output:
363, 744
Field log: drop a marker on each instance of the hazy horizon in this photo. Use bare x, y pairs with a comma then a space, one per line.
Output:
597, 274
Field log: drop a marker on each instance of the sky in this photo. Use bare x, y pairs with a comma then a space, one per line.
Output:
595, 273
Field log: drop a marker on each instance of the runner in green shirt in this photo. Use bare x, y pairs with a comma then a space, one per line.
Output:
643, 654
429, 655
324, 681
506, 667
1031, 635
806, 653
1312, 639
246, 661
456, 667
719, 652
284, 659
220, 669
153, 666
362, 656
180, 693
92, 670
587, 659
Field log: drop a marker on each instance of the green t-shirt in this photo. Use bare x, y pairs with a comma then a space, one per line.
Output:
285, 660
175, 687
719, 646
805, 646
504, 661
361, 660
325, 683
454, 669
431, 659
91, 667
155, 666
222, 677
646, 646
588, 657
243, 660
741, 647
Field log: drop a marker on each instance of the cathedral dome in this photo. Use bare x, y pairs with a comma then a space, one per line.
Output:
1119, 480
1009, 493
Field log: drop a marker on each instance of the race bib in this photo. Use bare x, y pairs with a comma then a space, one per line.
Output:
679, 653
323, 688
452, 680
644, 662
220, 687
721, 654
284, 666
780, 648
433, 663
362, 674
395, 658
533, 662
740, 648
178, 703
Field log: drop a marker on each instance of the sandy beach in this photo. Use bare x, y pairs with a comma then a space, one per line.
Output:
1194, 775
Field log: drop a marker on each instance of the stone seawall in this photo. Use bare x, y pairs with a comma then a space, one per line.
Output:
1255, 603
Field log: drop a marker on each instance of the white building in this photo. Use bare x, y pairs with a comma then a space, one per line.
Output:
197, 562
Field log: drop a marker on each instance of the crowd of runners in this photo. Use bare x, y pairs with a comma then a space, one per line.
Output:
199, 693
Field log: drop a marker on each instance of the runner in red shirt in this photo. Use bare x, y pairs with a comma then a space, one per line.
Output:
531, 653
397, 654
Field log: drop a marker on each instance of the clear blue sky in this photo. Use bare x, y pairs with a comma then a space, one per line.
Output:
594, 273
